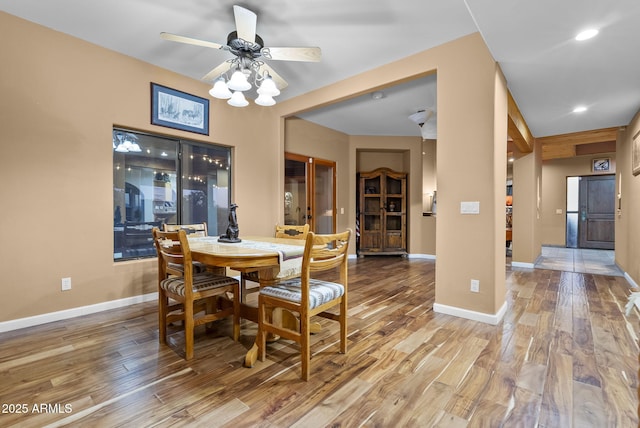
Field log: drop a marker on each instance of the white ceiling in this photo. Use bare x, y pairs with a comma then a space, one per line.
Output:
548, 72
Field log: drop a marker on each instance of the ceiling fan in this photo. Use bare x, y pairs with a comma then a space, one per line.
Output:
249, 54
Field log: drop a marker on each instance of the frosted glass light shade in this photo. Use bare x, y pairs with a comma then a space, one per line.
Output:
220, 90
238, 82
268, 87
238, 100
265, 100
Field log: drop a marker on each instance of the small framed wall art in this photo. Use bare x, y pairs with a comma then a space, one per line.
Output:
179, 110
601, 165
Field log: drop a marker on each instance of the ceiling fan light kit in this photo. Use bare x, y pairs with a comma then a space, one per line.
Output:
265, 100
268, 87
220, 89
249, 70
238, 100
238, 82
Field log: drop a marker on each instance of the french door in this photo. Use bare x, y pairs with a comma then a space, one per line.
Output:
310, 192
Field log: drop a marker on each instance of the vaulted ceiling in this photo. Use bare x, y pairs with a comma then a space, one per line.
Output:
548, 72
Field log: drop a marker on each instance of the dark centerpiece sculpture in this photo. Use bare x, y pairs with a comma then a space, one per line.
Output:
232, 230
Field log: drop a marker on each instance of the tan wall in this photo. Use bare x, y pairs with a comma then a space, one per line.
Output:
372, 152
369, 160
554, 189
62, 96
628, 185
472, 127
429, 185
528, 200
60, 99
306, 138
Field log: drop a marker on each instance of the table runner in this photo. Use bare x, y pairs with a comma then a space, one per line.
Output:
290, 256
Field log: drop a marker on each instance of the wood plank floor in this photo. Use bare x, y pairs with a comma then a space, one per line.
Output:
564, 356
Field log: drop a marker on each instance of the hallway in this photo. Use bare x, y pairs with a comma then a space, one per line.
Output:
601, 262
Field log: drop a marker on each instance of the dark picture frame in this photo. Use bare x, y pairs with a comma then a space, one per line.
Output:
601, 165
178, 110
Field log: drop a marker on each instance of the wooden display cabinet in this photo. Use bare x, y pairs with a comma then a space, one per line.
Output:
382, 212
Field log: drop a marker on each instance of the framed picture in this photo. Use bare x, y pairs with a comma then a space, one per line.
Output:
635, 154
179, 110
601, 165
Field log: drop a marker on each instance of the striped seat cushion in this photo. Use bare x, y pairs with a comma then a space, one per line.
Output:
201, 282
320, 292
197, 267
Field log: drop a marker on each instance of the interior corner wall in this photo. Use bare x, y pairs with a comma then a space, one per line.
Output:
472, 126
429, 186
554, 194
400, 154
627, 251
309, 139
466, 158
500, 136
61, 97
528, 197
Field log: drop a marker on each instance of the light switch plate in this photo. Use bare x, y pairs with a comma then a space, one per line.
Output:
470, 207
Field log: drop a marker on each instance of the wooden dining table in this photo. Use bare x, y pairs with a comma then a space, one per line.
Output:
272, 258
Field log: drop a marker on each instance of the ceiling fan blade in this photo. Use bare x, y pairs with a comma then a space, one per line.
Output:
245, 23
310, 54
190, 41
277, 79
216, 72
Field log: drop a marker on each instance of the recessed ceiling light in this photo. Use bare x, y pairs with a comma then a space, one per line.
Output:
587, 34
579, 109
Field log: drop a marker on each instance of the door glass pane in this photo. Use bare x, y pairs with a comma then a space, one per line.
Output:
572, 193
572, 230
205, 186
295, 192
323, 198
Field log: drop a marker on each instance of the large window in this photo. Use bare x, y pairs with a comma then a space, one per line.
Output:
160, 180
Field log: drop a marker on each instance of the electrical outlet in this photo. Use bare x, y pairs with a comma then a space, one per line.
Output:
66, 284
475, 285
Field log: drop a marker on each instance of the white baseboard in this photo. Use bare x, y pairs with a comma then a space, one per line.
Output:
630, 280
410, 256
75, 312
422, 256
471, 315
523, 265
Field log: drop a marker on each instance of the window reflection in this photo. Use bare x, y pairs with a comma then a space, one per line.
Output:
148, 180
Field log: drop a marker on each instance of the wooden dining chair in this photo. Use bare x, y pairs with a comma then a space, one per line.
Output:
308, 296
291, 231
197, 230
285, 232
194, 295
